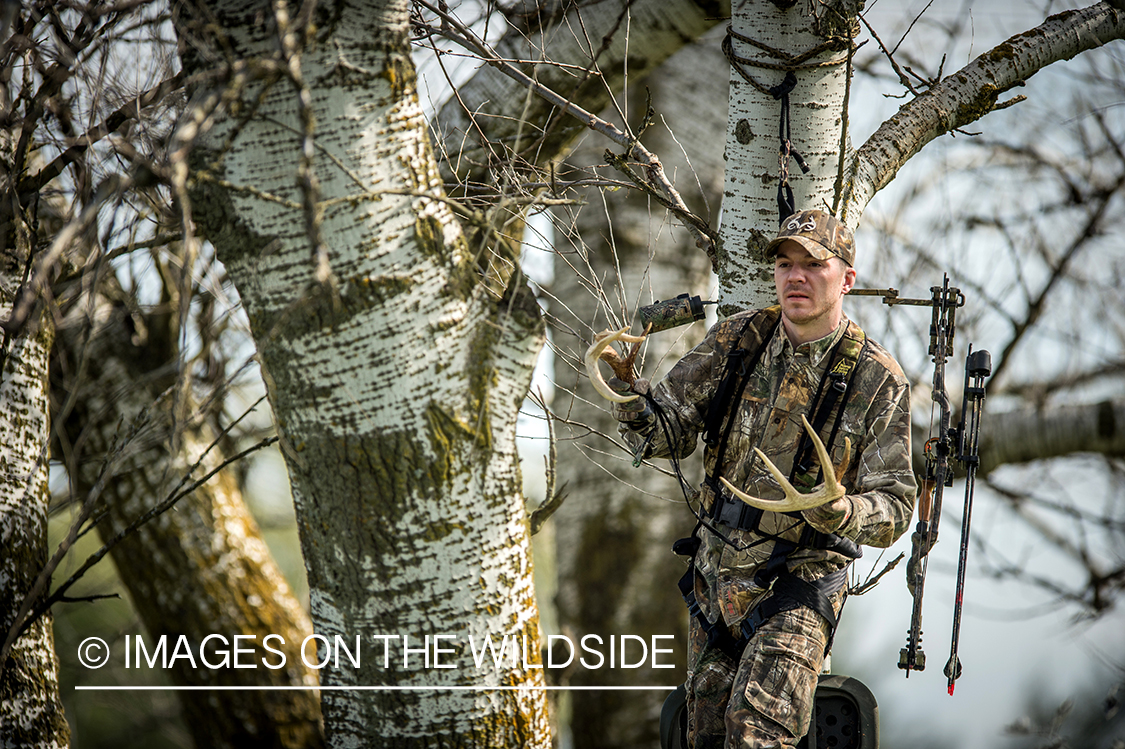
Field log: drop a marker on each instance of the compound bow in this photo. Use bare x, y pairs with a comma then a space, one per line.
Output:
959, 442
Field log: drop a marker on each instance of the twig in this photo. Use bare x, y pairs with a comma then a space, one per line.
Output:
28, 612
306, 175
554, 499
659, 182
873, 581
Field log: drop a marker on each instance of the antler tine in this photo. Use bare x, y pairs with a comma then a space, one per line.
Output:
596, 351
795, 501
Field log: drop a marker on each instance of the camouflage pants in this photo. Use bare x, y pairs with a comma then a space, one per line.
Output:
764, 701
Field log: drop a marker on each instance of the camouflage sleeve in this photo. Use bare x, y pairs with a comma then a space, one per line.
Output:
683, 397
879, 510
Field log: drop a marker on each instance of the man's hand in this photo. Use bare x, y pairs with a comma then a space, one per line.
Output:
636, 414
831, 517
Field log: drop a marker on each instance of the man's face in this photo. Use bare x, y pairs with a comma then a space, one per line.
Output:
810, 290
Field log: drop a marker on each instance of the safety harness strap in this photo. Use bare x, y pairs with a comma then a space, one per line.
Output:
735, 375
789, 592
843, 362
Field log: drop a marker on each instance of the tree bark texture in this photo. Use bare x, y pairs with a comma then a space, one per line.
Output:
201, 567
818, 119
31, 713
395, 386
817, 123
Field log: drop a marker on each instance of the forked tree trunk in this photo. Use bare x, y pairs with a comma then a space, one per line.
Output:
395, 388
840, 180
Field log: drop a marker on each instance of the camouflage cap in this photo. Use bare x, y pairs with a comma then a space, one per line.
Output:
819, 233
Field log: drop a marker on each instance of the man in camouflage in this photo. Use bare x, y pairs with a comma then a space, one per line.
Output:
752, 675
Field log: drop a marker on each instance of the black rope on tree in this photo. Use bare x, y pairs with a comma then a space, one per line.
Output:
786, 203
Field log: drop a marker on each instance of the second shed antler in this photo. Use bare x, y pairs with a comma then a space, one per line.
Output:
794, 501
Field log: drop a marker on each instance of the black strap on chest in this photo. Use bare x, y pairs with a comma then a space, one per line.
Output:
741, 362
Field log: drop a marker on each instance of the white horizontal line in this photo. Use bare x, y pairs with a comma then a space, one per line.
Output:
336, 688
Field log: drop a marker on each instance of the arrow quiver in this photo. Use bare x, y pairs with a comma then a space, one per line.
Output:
978, 365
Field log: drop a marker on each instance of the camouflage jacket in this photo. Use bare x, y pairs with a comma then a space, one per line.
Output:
879, 479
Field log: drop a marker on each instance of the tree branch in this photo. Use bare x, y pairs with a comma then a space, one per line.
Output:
654, 170
1035, 434
972, 92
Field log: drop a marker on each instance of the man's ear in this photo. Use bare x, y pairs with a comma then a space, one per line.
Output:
849, 279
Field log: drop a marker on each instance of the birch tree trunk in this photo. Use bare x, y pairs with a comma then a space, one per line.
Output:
774, 34
201, 567
395, 381
31, 712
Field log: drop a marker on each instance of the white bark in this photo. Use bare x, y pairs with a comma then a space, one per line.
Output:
971, 93
750, 213
31, 713
396, 399
749, 209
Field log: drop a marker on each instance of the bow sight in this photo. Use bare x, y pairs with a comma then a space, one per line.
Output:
960, 443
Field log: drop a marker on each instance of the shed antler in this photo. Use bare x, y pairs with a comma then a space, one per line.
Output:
622, 367
794, 501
